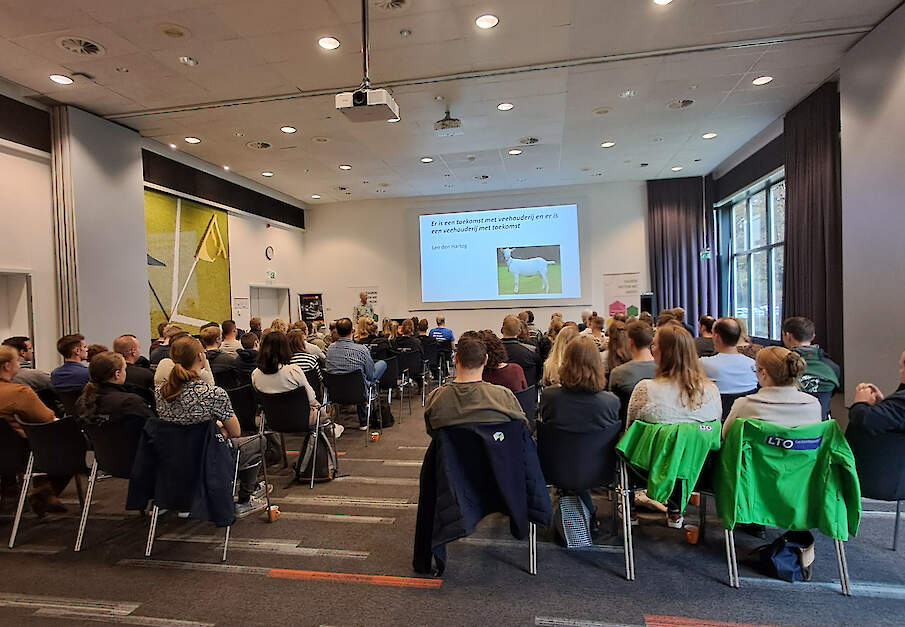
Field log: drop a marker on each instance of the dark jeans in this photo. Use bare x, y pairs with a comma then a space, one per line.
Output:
250, 456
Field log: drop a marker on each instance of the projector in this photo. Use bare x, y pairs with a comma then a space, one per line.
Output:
448, 127
367, 105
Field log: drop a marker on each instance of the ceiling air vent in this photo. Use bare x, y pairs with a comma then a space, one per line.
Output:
391, 6
81, 47
529, 141
681, 103
258, 145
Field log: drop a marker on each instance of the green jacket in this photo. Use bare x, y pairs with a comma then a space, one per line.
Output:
819, 375
797, 478
669, 453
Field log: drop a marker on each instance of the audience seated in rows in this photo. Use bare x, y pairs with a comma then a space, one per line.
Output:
745, 345
646, 318
37, 380
617, 351
247, 357
406, 341
732, 372
184, 398
595, 332
95, 349
624, 378
105, 398
73, 374
165, 366
254, 326
298, 349
554, 362
468, 398
362, 333
535, 337
822, 373
440, 332
163, 349
310, 347
778, 400
230, 343
222, 365
518, 352
585, 316
704, 341
344, 356
877, 413
137, 376
279, 325
158, 340
498, 370
275, 372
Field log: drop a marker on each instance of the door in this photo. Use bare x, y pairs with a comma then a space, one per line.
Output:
268, 303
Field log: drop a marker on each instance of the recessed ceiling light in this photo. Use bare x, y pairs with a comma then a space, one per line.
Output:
393, 120
628, 93
405, 32
677, 168
192, 140
486, 21
662, 3
345, 166
267, 173
515, 151
240, 134
173, 146
608, 144
61, 79
427, 159
288, 129
226, 167
328, 43
315, 196
710, 135
505, 106
189, 61
762, 80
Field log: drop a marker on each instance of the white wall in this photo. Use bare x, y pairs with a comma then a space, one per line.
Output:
110, 229
26, 211
353, 244
873, 217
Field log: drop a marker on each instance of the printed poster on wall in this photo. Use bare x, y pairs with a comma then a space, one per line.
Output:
622, 294
311, 308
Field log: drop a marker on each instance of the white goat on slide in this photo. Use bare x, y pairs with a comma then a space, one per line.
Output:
527, 267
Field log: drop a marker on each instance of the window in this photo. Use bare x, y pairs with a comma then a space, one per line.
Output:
757, 255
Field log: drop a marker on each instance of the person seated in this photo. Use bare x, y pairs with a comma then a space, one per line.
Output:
468, 398
310, 347
553, 362
137, 377
163, 350
520, 353
497, 371
822, 373
704, 341
595, 332
300, 356
745, 346
778, 400
678, 314
406, 341
877, 413
158, 340
37, 380
275, 372
279, 325
222, 365
362, 333
95, 349
665, 317
247, 357
580, 404
585, 316
344, 356
230, 344
317, 337
105, 398
384, 344
624, 378
617, 351
20, 404
732, 372
165, 366
254, 326
646, 317
440, 332
556, 325
184, 398
73, 374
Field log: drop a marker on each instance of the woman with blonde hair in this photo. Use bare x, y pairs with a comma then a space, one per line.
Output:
279, 325
778, 400
554, 362
745, 346
595, 332
362, 329
617, 351
555, 327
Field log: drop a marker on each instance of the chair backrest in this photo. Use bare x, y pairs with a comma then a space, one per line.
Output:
391, 376
287, 412
880, 460
13, 450
577, 461
52, 400
68, 397
59, 447
227, 379
245, 406
444, 347
430, 349
115, 444
410, 360
314, 380
728, 399
347, 388
527, 398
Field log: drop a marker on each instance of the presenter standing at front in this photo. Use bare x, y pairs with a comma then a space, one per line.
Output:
363, 309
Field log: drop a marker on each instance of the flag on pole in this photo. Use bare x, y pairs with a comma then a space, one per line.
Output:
211, 245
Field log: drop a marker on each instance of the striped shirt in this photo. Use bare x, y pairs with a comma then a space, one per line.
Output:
307, 361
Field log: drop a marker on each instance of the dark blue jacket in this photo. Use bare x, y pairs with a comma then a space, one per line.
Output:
471, 471
187, 468
886, 416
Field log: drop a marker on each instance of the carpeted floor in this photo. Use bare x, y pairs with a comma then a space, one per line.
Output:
301, 569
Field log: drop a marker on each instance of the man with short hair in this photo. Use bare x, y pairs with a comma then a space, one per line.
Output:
254, 326
679, 314
247, 357
468, 398
73, 374
821, 376
519, 353
704, 341
230, 344
37, 380
163, 351
624, 378
362, 309
440, 332
344, 355
878, 414
585, 314
732, 372
223, 365
127, 346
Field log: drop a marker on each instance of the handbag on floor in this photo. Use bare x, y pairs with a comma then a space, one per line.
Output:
572, 522
789, 557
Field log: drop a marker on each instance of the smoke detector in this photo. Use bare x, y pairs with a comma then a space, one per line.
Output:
680, 103
391, 6
529, 141
82, 47
258, 145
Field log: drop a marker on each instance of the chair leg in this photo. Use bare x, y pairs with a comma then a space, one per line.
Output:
79, 489
731, 558
317, 432
627, 540
895, 530
283, 446
154, 513
91, 481
368, 430
225, 544
235, 482
843, 568
26, 480
266, 482
532, 548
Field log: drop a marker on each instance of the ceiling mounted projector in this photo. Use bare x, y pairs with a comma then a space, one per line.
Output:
367, 105
448, 126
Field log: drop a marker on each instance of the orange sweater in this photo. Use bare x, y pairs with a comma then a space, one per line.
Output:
20, 403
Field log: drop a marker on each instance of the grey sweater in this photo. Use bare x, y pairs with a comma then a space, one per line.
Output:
461, 403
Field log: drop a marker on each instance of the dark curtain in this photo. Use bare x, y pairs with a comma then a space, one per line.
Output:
813, 255
677, 229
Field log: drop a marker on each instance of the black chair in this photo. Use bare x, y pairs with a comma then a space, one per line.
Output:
52, 400
880, 460
57, 449
527, 398
245, 406
314, 380
115, 445
431, 355
68, 397
575, 462
445, 353
390, 380
349, 388
288, 413
411, 370
728, 399
13, 451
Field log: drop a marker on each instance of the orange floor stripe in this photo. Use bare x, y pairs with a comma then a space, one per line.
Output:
652, 620
340, 452
374, 580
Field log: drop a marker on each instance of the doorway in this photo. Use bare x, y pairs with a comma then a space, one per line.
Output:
16, 314
268, 303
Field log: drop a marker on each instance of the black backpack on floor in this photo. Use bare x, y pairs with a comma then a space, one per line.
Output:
388, 420
325, 462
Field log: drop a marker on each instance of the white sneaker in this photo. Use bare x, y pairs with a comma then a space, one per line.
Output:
675, 521
259, 493
253, 505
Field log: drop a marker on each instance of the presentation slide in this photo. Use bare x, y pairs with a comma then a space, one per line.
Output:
501, 254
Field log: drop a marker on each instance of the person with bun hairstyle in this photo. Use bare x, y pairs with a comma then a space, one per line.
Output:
104, 398
779, 400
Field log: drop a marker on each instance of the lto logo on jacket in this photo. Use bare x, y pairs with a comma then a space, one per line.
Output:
498, 436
